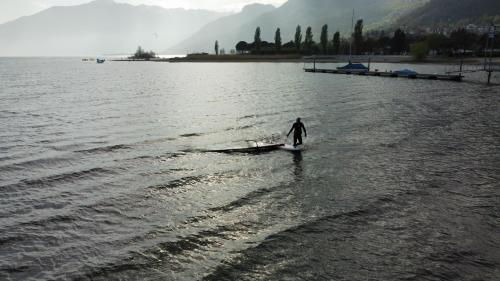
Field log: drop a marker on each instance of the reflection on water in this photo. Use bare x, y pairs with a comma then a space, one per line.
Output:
297, 162
108, 173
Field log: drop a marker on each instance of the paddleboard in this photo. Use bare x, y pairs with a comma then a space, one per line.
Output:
290, 147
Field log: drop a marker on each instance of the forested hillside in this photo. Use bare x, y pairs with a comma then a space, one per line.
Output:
453, 13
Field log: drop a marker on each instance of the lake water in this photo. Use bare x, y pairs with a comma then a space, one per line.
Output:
104, 174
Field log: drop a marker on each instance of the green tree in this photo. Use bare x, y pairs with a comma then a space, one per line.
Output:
241, 47
298, 38
324, 38
257, 41
461, 39
139, 52
344, 46
336, 43
419, 50
398, 42
383, 43
358, 37
437, 42
369, 45
308, 42
277, 40
143, 55
216, 47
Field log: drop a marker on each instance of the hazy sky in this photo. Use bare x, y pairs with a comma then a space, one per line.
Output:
12, 9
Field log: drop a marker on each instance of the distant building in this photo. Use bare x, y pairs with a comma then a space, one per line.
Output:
472, 28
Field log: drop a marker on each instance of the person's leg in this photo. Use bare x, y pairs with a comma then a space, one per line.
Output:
294, 140
300, 139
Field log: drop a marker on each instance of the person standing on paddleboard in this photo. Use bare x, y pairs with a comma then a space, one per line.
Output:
297, 132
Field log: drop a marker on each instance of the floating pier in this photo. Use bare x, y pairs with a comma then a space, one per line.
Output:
446, 77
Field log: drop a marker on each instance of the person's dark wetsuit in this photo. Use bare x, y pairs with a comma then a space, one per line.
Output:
297, 132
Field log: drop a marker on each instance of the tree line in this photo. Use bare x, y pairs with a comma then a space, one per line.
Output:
458, 42
141, 54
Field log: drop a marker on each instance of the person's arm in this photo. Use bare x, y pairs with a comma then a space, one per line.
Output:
291, 130
305, 132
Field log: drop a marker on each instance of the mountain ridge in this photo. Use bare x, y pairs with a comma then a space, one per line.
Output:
220, 28
98, 27
104, 26
336, 13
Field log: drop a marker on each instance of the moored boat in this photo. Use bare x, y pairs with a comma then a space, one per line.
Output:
406, 73
354, 67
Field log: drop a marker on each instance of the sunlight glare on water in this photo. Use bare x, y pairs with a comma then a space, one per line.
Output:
106, 174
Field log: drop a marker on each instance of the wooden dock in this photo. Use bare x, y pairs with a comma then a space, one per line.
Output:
446, 77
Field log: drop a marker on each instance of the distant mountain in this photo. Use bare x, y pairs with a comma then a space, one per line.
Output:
100, 27
226, 30
336, 13
451, 13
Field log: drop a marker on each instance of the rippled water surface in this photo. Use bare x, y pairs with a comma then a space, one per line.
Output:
105, 174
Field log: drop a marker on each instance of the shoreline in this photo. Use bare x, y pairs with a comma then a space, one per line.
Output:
301, 59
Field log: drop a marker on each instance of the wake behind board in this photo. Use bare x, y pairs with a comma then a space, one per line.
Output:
290, 147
